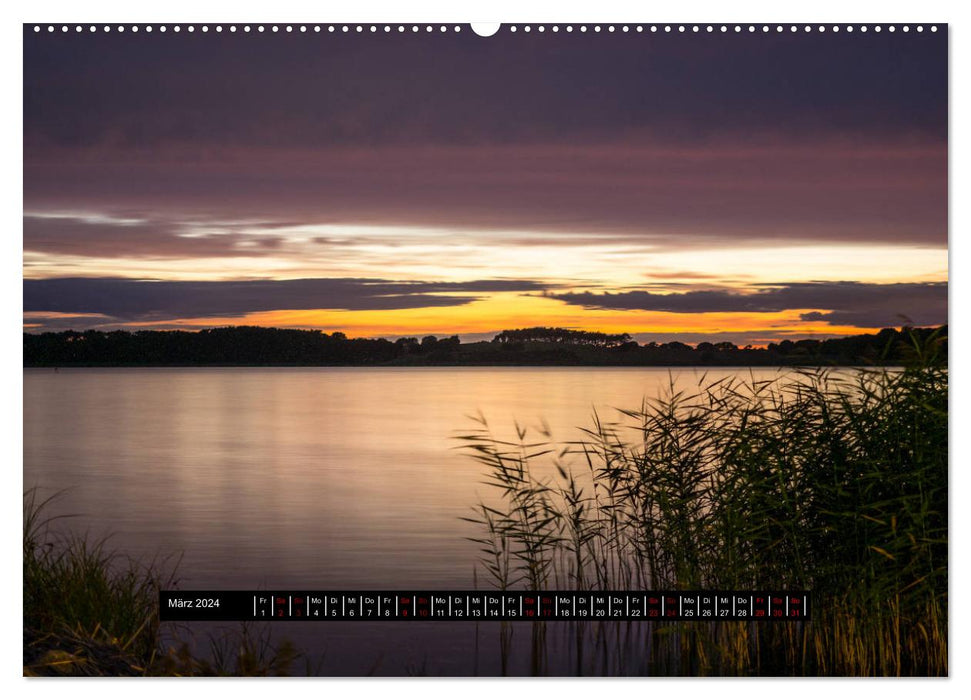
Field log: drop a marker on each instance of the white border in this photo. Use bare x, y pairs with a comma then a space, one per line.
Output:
509, 11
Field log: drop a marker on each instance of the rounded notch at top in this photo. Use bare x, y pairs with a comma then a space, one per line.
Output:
485, 29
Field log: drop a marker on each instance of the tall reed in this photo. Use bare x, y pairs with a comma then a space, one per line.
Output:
91, 611
823, 480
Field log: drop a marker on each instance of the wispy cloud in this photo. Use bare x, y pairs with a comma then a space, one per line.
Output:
98, 236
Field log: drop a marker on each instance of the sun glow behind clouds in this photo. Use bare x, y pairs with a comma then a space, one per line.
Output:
241, 250
509, 310
150, 247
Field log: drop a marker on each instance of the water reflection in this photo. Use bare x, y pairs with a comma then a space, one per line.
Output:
312, 478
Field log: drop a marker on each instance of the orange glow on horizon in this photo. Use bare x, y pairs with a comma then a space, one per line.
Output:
505, 311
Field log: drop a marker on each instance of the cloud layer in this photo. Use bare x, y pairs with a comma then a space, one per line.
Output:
848, 303
151, 300
671, 198
679, 140
317, 91
129, 300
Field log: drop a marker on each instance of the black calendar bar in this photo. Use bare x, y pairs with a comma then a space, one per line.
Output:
481, 606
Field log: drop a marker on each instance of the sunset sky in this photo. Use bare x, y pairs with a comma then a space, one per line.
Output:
710, 186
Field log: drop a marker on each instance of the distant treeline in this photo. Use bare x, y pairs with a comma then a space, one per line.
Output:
562, 336
251, 345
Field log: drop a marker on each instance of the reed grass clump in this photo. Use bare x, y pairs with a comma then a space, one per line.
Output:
832, 481
87, 609
90, 611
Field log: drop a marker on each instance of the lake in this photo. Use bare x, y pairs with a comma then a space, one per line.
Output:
313, 478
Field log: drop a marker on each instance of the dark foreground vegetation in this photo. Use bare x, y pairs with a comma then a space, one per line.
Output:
832, 483
89, 611
255, 346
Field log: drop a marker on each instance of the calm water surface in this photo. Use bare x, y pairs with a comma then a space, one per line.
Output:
320, 478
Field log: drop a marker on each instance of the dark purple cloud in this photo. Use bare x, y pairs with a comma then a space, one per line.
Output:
676, 140
849, 303
124, 299
669, 197
319, 90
